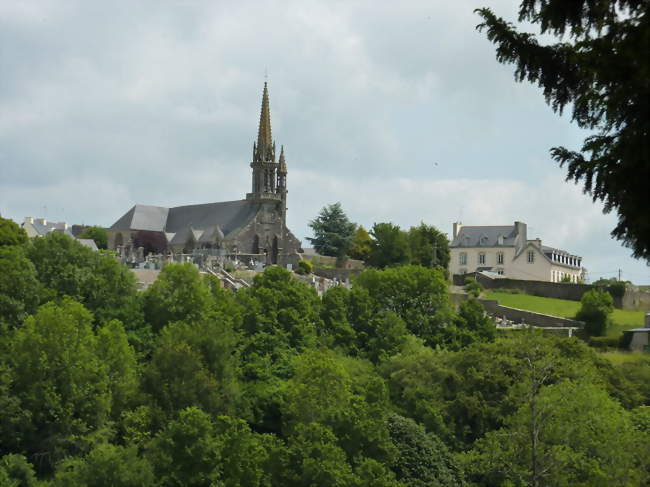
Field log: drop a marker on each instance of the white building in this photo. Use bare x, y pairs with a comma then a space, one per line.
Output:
38, 227
506, 250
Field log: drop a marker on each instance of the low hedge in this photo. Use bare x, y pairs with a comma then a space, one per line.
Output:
604, 342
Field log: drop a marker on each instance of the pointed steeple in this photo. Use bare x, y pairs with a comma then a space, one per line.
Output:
265, 150
283, 163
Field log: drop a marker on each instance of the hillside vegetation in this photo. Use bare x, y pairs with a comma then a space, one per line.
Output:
381, 385
622, 319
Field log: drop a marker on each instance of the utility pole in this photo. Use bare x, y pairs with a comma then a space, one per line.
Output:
619, 275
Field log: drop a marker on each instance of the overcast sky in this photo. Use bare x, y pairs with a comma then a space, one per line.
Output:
398, 110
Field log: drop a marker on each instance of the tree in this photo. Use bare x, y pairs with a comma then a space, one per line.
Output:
429, 247
416, 294
186, 452
573, 433
473, 287
179, 294
595, 308
390, 246
361, 244
600, 70
423, 459
60, 381
18, 286
333, 231
97, 234
105, 466
11, 233
103, 285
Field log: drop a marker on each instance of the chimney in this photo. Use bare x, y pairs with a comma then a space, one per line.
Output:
521, 234
41, 221
29, 219
457, 227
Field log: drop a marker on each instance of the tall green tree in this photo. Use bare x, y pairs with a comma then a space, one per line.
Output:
600, 69
390, 246
11, 233
60, 380
332, 230
179, 294
429, 247
568, 433
416, 294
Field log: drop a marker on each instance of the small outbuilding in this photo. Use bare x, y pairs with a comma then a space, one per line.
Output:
638, 339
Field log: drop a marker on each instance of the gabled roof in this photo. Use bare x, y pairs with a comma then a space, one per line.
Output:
212, 234
185, 235
471, 236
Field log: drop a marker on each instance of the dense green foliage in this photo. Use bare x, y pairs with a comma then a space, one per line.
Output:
599, 68
97, 234
595, 310
361, 244
381, 385
333, 232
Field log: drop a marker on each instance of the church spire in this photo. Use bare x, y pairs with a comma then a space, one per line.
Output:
265, 150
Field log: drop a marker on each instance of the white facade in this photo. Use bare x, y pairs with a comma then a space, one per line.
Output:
505, 250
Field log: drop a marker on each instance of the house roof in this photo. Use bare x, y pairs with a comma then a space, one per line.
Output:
472, 236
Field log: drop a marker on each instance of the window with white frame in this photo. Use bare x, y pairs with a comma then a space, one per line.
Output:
499, 257
531, 256
462, 258
481, 258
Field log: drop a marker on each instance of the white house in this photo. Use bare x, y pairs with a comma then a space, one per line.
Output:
506, 250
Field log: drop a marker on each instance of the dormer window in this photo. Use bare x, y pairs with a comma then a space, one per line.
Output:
484, 240
500, 240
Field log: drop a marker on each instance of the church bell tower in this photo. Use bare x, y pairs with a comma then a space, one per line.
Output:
269, 177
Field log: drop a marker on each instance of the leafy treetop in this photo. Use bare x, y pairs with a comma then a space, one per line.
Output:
600, 69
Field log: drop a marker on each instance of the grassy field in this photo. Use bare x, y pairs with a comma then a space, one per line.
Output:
623, 320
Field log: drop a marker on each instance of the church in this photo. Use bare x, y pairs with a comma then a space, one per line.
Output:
252, 228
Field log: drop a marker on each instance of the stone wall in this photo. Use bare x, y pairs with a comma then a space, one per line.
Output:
493, 308
636, 298
559, 290
340, 274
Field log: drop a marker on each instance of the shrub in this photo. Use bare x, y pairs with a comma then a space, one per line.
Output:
509, 291
473, 287
595, 310
304, 267
604, 342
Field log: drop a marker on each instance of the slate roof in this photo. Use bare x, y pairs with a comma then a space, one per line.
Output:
471, 236
228, 216
88, 242
143, 217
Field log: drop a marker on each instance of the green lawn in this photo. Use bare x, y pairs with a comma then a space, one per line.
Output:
623, 320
